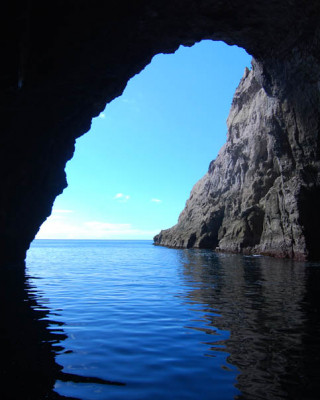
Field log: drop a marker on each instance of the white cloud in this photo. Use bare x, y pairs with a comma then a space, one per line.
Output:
100, 229
156, 200
121, 197
57, 215
102, 115
62, 228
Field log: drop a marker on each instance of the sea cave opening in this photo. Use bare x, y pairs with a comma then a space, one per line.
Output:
133, 171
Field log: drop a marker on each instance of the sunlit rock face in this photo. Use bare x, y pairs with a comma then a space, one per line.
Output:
62, 63
255, 197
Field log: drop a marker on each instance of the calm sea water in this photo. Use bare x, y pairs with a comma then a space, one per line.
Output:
128, 320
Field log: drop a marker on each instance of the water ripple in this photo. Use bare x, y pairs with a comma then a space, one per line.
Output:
150, 322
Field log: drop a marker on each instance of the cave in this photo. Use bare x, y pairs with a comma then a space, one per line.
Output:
63, 62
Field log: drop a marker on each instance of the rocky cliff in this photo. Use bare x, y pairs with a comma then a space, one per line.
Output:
258, 194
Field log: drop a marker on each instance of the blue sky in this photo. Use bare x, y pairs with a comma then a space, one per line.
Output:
133, 171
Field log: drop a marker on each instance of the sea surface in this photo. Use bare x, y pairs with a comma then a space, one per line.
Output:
129, 320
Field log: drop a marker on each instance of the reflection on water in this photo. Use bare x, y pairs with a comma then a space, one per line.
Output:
31, 337
28, 367
159, 323
271, 308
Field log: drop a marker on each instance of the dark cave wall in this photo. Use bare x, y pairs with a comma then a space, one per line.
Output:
63, 61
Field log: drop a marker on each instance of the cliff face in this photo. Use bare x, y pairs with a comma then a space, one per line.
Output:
258, 194
63, 62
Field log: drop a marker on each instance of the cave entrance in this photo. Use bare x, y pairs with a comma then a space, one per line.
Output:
132, 173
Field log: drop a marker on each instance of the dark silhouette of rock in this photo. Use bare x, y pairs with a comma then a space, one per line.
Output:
63, 61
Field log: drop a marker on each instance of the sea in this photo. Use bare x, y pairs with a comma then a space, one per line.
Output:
112, 319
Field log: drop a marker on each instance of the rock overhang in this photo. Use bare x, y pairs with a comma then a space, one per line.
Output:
68, 60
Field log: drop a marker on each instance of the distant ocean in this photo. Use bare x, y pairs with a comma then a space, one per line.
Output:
147, 322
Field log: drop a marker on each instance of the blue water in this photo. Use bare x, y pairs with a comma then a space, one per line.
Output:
159, 323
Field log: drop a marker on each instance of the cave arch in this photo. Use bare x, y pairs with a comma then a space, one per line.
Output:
155, 140
64, 63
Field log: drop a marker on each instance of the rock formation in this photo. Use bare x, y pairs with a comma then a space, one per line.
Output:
261, 193
63, 61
